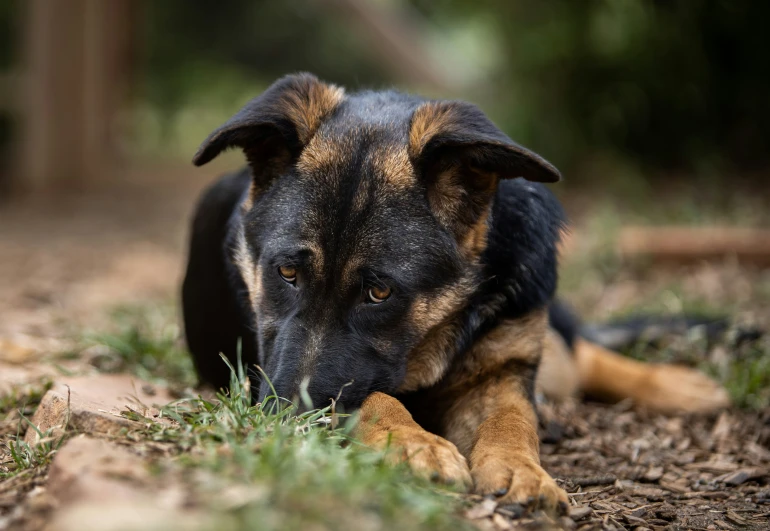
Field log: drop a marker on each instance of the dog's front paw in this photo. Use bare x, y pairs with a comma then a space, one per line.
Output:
519, 479
428, 455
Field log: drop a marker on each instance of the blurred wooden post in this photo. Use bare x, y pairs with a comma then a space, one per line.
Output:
686, 245
74, 76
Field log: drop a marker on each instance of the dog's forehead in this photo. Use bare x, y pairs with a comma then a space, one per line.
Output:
361, 151
386, 111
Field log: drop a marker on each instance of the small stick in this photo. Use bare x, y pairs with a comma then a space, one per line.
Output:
594, 481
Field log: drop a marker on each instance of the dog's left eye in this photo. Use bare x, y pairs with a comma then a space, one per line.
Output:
288, 274
378, 295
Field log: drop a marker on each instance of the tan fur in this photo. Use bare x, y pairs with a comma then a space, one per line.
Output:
247, 268
667, 388
428, 120
492, 421
433, 316
320, 155
393, 165
308, 106
557, 377
482, 407
446, 196
472, 381
430, 360
514, 339
454, 186
385, 423
474, 242
252, 194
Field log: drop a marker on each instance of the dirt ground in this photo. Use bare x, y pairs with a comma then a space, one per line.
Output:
68, 258
638, 470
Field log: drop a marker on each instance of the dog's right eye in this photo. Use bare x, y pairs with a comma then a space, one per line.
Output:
288, 274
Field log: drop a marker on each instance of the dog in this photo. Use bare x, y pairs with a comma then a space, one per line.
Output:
399, 255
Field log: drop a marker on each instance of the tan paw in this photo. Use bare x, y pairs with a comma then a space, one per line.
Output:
677, 389
518, 479
428, 455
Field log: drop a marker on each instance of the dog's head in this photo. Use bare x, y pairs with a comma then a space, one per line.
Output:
363, 228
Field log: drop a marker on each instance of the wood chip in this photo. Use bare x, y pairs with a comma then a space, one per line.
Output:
484, 509
743, 475
580, 512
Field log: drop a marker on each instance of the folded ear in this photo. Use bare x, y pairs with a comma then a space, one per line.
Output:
461, 156
272, 128
456, 126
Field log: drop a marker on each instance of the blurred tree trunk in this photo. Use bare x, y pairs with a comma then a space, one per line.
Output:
76, 59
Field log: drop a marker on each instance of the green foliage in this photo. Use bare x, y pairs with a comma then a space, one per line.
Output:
660, 83
654, 84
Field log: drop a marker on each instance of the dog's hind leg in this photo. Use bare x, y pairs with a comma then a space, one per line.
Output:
666, 388
557, 376
572, 364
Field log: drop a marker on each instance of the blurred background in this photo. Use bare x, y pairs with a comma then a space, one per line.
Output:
656, 112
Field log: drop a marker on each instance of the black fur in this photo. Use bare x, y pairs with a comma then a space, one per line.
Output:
564, 321
215, 316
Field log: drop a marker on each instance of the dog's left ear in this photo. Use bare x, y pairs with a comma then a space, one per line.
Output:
441, 128
461, 156
273, 128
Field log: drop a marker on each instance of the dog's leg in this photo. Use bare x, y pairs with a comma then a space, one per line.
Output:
493, 421
504, 446
557, 376
386, 424
667, 388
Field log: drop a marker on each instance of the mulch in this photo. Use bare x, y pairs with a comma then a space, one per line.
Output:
627, 469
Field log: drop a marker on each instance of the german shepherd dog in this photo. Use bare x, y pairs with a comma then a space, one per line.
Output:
400, 254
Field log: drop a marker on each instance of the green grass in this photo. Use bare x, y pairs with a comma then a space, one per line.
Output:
16, 456
23, 399
20, 455
747, 378
292, 471
146, 341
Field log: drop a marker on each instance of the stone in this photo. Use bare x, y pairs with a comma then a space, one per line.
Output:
92, 404
579, 512
96, 470
99, 484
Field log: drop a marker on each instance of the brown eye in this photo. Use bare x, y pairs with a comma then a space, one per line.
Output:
378, 295
288, 273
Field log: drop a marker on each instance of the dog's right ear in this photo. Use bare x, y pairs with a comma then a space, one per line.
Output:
273, 128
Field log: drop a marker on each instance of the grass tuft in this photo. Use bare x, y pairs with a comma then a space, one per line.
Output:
16, 455
145, 341
266, 466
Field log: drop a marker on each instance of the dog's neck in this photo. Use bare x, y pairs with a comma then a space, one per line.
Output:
517, 277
